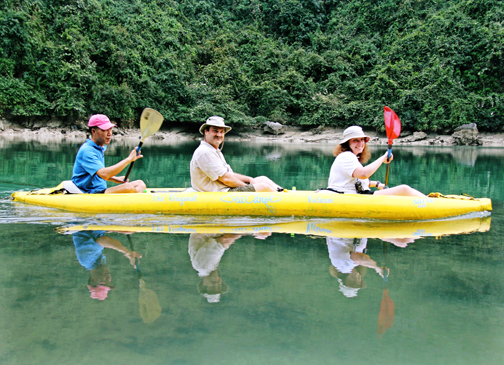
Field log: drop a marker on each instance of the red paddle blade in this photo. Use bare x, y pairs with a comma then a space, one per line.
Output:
392, 124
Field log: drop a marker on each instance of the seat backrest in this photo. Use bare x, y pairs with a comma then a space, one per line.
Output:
71, 188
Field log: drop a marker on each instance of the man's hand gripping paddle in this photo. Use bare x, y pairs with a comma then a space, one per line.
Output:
393, 128
150, 122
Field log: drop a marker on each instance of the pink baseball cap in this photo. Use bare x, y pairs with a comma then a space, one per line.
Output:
101, 121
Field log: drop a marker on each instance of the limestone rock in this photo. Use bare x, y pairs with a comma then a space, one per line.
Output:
416, 136
81, 125
273, 128
467, 135
56, 124
442, 140
5, 125
318, 130
37, 125
469, 126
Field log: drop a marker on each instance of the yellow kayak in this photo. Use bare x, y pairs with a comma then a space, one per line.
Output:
282, 204
313, 227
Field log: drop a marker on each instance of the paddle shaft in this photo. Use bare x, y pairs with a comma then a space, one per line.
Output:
131, 164
388, 165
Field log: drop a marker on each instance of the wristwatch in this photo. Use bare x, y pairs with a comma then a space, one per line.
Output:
377, 184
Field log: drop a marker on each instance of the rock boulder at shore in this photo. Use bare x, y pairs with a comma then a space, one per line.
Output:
273, 128
467, 135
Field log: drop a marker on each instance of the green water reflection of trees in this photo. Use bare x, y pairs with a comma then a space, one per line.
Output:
455, 170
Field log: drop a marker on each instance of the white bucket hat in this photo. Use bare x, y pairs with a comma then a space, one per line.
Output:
214, 121
353, 132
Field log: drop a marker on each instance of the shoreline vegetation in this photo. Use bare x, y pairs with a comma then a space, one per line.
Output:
306, 64
77, 133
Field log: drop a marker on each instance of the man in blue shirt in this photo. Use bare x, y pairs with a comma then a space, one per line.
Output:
90, 174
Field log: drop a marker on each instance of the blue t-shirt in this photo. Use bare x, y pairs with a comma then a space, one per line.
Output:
88, 251
89, 160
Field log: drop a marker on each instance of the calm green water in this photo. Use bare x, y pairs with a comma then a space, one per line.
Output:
280, 300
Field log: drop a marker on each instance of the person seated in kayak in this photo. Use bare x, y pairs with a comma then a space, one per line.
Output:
209, 170
349, 176
89, 172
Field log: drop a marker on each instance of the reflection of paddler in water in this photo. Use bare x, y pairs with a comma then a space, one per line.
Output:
89, 247
206, 251
349, 262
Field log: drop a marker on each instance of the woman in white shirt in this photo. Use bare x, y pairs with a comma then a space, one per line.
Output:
349, 176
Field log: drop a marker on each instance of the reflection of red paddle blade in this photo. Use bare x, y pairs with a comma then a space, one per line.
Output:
386, 315
392, 124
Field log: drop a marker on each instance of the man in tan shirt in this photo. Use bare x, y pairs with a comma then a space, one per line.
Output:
210, 171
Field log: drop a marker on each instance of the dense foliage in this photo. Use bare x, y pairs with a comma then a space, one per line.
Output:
437, 63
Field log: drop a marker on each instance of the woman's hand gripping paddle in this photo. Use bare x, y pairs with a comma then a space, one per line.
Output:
150, 122
393, 128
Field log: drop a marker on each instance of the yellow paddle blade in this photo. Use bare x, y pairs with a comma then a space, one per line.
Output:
150, 122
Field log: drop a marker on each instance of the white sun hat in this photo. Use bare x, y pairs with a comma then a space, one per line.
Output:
353, 132
214, 121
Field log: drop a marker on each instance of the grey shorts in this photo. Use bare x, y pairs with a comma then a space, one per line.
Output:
249, 188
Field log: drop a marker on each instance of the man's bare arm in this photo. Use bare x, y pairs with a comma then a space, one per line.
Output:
233, 180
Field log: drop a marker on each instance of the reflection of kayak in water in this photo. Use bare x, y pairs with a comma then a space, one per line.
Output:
320, 227
284, 204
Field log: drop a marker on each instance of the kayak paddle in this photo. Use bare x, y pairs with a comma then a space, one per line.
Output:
393, 128
150, 122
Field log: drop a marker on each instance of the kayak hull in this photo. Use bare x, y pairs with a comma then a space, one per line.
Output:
283, 204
